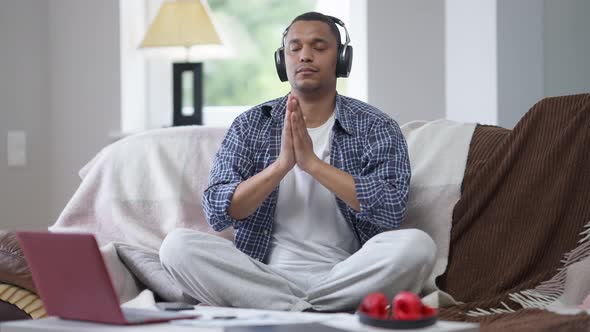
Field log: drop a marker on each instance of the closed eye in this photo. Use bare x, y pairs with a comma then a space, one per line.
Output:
320, 45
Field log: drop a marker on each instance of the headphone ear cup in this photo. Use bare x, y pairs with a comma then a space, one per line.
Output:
280, 64
344, 61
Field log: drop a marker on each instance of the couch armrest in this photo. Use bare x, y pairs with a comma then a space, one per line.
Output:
13, 266
11, 312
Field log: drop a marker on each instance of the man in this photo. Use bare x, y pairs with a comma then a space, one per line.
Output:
314, 184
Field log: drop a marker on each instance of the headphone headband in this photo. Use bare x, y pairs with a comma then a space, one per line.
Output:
340, 23
336, 20
344, 57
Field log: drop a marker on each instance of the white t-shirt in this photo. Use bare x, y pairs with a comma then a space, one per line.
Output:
310, 234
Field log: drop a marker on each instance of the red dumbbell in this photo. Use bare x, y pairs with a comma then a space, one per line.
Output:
407, 306
375, 305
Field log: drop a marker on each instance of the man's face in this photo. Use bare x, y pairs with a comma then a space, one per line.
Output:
310, 56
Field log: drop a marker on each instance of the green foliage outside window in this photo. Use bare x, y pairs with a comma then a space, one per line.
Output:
256, 27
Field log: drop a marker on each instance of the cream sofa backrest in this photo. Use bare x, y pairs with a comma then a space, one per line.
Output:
140, 188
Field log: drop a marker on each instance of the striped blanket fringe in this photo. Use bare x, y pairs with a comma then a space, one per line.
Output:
548, 291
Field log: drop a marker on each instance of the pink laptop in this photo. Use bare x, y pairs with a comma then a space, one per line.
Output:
74, 283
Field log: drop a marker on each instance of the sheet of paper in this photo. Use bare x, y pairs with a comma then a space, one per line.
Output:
220, 317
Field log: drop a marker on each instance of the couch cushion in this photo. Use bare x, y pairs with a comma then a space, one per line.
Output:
13, 266
438, 154
145, 265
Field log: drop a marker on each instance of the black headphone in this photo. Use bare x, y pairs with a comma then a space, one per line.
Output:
343, 64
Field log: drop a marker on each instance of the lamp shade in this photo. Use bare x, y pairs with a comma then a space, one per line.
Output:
181, 23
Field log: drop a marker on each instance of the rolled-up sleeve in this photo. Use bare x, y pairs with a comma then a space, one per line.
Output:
232, 165
383, 183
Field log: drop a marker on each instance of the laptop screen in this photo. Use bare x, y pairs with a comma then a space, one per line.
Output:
70, 274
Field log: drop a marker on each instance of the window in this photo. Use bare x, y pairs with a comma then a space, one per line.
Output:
253, 30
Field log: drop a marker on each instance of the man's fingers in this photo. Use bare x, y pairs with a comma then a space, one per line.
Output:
287, 121
286, 126
296, 115
297, 110
296, 121
297, 125
296, 132
291, 104
293, 123
288, 131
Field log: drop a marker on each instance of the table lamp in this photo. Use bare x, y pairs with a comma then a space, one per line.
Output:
183, 23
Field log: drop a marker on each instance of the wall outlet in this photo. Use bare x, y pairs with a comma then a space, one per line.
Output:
16, 147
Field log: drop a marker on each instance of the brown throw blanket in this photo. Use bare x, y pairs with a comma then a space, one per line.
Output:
525, 201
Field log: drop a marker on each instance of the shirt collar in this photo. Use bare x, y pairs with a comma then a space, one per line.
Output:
275, 108
344, 113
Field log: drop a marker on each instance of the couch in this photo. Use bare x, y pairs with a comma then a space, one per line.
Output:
509, 210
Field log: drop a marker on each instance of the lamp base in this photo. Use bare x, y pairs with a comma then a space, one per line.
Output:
194, 116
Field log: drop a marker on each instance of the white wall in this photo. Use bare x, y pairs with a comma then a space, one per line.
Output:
59, 82
357, 83
471, 77
24, 105
133, 67
485, 61
85, 88
519, 58
567, 47
406, 58
494, 59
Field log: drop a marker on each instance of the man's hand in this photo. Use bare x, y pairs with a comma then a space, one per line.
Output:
250, 193
286, 159
302, 144
337, 181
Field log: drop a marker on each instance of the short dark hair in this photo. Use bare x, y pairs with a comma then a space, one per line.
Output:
315, 16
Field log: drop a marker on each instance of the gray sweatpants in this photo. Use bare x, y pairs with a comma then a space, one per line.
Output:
210, 269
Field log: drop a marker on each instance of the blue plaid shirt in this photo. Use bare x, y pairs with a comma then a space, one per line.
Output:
366, 143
